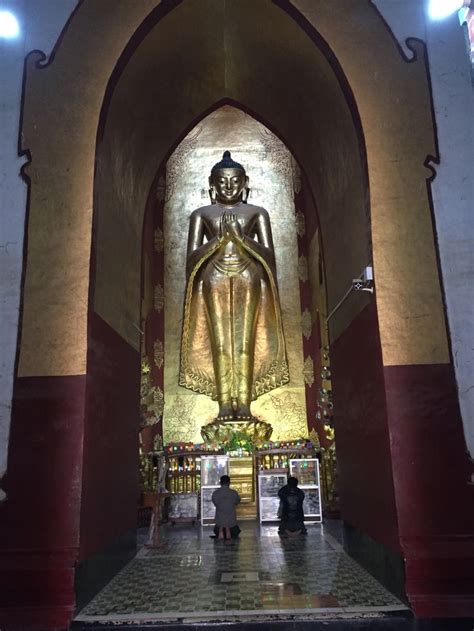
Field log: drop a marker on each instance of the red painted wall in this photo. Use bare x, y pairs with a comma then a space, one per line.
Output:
110, 461
39, 522
404, 469
362, 436
72, 480
434, 498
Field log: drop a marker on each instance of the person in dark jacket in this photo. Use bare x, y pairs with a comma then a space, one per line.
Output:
292, 515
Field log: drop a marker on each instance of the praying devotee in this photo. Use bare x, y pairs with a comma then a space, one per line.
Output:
225, 500
292, 516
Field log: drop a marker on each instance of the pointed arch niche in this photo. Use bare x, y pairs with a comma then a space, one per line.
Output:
157, 95
159, 92
273, 175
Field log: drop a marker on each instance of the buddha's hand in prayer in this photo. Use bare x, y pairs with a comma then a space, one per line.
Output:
231, 227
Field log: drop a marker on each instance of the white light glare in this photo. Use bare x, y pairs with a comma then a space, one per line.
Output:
9, 27
439, 9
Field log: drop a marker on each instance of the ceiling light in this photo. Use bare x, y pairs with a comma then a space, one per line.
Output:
439, 9
9, 27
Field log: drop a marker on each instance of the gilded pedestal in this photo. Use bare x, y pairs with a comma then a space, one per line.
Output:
219, 432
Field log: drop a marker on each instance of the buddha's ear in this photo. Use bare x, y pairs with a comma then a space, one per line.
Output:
212, 191
246, 190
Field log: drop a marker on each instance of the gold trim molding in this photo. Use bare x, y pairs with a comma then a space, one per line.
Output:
159, 240
158, 353
308, 371
159, 298
300, 222
303, 269
306, 323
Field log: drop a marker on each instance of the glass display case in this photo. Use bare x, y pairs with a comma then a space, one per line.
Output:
268, 485
182, 476
212, 468
312, 504
307, 473
208, 510
183, 507
276, 455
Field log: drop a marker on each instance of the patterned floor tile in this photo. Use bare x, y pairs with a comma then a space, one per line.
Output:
190, 573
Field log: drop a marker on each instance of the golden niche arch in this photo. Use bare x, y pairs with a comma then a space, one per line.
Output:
273, 176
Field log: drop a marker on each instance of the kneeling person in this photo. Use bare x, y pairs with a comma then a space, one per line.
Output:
225, 500
292, 514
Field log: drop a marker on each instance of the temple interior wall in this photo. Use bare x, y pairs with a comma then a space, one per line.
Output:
167, 87
451, 84
395, 152
296, 91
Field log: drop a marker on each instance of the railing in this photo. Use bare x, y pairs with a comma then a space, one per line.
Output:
149, 474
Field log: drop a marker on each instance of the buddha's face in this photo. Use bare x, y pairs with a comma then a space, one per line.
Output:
228, 184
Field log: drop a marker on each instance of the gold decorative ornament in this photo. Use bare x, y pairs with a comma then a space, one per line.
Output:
152, 404
232, 345
145, 385
290, 415
159, 240
306, 323
152, 399
158, 401
158, 353
303, 269
180, 423
161, 189
300, 222
145, 378
308, 371
330, 434
147, 421
314, 438
159, 298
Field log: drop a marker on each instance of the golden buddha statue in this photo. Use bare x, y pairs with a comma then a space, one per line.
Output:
232, 346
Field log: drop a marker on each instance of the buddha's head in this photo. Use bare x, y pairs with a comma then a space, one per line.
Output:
228, 181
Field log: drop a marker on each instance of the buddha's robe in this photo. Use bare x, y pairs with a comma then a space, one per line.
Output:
232, 287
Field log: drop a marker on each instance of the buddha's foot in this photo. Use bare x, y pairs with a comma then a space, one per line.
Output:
225, 418
243, 413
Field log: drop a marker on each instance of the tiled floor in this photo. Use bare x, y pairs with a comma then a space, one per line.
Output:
192, 575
